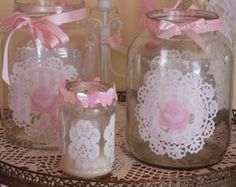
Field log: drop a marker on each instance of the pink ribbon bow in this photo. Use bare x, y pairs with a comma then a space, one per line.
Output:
46, 29
192, 30
114, 42
167, 29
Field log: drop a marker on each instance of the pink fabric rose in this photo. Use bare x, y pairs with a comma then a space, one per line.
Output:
44, 100
174, 115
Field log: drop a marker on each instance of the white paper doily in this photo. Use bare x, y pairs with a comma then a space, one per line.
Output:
33, 93
175, 110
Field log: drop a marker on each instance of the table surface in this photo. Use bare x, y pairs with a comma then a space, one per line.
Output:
23, 167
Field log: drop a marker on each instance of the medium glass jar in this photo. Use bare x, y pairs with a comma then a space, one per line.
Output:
49, 42
88, 129
179, 87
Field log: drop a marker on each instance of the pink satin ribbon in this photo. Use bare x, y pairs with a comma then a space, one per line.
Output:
114, 42
167, 29
46, 29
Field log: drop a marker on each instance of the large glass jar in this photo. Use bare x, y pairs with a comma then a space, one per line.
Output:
87, 132
37, 66
179, 87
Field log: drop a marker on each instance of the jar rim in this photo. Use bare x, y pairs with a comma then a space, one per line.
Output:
89, 94
46, 9
87, 86
181, 16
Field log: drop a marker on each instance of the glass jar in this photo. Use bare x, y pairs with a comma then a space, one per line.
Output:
179, 87
88, 129
39, 61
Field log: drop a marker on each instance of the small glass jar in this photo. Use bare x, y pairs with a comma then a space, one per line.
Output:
88, 129
36, 71
179, 90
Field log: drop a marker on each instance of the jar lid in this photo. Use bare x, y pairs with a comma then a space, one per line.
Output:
88, 93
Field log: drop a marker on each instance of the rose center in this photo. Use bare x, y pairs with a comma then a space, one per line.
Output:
174, 115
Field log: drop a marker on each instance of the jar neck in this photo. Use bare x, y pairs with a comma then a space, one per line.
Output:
46, 7
178, 16
86, 87
91, 94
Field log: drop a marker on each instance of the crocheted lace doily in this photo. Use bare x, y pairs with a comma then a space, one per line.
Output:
175, 111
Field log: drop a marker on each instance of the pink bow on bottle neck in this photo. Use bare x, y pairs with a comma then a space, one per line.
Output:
167, 29
192, 30
114, 42
46, 29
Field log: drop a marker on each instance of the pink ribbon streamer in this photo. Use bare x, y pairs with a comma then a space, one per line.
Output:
114, 42
46, 29
167, 29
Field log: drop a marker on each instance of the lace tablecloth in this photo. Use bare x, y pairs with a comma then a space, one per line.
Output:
42, 167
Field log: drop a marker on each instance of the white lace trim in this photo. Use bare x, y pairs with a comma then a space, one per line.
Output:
84, 143
109, 137
175, 112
